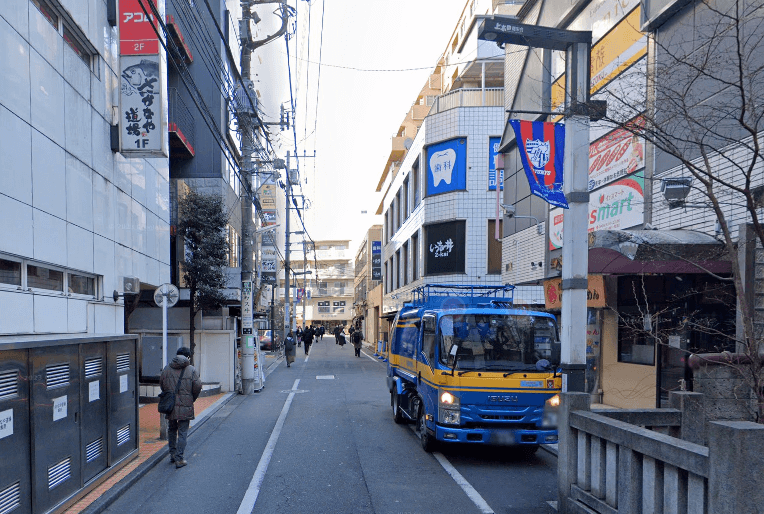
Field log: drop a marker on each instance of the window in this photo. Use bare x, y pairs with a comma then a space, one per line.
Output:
387, 280
71, 35
415, 257
81, 284
406, 263
10, 272
494, 248
234, 247
387, 226
45, 278
397, 269
415, 183
405, 197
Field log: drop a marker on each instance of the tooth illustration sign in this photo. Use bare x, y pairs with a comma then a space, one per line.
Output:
442, 166
446, 166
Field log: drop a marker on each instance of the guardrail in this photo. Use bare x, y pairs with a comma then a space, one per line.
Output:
628, 461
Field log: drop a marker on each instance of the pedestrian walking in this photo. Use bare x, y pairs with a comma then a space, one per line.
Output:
341, 339
181, 375
290, 348
307, 338
321, 332
337, 331
357, 339
299, 336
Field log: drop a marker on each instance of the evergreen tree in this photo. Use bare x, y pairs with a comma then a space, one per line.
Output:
202, 222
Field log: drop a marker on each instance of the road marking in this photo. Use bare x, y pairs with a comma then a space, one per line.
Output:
324, 377
250, 497
372, 358
466, 486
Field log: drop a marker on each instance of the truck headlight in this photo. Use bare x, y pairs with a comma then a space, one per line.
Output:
551, 406
449, 408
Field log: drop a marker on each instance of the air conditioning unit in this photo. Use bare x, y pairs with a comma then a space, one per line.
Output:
131, 285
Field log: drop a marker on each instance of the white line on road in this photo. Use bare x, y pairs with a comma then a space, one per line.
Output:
466, 486
372, 358
250, 497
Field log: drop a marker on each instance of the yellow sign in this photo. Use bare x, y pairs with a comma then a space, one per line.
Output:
595, 293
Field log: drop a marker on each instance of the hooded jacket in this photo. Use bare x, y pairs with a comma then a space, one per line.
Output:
190, 386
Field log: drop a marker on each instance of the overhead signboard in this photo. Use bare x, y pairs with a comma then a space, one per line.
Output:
447, 167
595, 292
142, 129
246, 308
493, 151
444, 247
615, 155
376, 260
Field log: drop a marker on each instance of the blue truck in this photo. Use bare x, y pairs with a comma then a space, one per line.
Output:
467, 366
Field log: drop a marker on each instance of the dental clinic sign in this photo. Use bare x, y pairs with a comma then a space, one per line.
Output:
142, 124
447, 167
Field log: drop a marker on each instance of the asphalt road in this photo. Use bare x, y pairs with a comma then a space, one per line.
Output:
320, 438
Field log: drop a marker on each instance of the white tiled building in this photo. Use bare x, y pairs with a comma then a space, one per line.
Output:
440, 228
76, 217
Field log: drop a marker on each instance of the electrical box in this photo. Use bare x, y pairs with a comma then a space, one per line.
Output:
151, 355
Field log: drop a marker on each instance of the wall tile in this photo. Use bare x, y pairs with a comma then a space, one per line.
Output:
47, 93
78, 119
16, 227
49, 238
16, 308
79, 193
46, 40
15, 87
123, 219
104, 207
79, 248
77, 315
50, 314
48, 176
16, 152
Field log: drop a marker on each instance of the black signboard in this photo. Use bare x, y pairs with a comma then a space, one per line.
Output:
444, 247
376, 260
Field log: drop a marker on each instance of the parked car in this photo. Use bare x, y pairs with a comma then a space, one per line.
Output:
266, 341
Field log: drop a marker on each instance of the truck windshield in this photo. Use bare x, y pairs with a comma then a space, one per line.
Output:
496, 342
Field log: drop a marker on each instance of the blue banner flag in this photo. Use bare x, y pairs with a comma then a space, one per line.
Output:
542, 151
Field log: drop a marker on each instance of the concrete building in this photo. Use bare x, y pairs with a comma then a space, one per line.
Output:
368, 275
439, 201
328, 289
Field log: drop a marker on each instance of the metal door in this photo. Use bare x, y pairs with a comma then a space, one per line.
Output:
55, 424
94, 412
123, 416
15, 474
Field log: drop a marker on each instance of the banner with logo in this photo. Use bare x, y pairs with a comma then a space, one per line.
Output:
447, 167
493, 151
542, 152
444, 247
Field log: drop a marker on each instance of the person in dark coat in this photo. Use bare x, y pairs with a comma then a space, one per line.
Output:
341, 339
290, 348
321, 332
357, 338
298, 335
307, 338
337, 331
181, 416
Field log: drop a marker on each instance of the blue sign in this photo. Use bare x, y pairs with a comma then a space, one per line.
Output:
493, 151
447, 167
542, 151
376, 260
376, 247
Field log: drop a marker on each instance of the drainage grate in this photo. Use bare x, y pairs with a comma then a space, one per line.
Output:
10, 498
59, 473
123, 435
9, 385
57, 375
123, 362
94, 450
93, 367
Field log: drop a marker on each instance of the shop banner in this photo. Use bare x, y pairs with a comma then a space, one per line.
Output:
616, 155
618, 206
595, 293
444, 246
493, 151
555, 225
447, 167
542, 152
376, 260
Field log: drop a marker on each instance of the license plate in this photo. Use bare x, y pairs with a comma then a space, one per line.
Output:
503, 437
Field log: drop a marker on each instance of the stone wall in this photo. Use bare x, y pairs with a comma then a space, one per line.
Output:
727, 396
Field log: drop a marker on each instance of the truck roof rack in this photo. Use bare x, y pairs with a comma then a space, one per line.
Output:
434, 295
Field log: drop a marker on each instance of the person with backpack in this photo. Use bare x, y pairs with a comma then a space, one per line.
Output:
290, 348
357, 338
182, 378
307, 338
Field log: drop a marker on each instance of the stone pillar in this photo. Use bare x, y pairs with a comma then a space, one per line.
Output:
693, 408
567, 454
736, 469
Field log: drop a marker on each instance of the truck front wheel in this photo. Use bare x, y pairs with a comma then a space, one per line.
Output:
395, 402
427, 441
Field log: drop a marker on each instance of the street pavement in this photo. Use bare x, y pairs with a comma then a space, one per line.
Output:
319, 438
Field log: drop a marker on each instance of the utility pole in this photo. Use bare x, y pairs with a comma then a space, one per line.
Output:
287, 270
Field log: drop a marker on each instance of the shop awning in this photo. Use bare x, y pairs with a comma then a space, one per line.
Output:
656, 251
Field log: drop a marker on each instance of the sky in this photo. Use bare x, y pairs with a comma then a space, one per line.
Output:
357, 111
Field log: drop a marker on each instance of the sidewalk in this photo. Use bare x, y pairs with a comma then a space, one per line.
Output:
149, 445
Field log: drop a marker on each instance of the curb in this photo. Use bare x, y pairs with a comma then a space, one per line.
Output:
113, 494
550, 448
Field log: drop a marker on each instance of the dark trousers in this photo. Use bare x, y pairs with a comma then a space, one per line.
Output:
177, 431
357, 351
307, 347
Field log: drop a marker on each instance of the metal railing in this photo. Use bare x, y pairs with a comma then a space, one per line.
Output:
488, 97
179, 116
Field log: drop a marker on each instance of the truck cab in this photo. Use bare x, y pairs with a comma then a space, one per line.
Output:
466, 366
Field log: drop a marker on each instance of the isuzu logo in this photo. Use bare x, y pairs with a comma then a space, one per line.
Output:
503, 398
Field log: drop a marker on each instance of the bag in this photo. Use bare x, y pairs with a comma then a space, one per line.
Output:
167, 398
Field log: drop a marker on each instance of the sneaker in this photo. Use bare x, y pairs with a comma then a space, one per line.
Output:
180, 463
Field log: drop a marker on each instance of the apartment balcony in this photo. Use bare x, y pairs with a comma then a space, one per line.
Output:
469, 97
398, 148
174, 33
180, 126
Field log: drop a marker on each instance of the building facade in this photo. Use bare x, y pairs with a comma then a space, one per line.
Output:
368, 275
440, 197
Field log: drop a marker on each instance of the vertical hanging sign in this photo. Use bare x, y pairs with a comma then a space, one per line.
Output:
542, 151
141, 99
246, 308
376, 260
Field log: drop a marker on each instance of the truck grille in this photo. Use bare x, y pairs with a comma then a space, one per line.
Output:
501, 418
